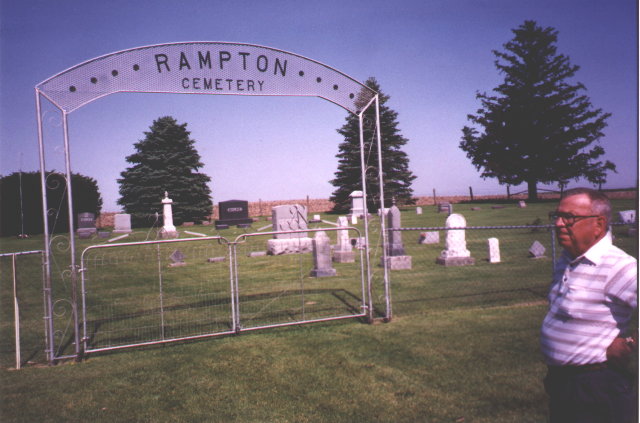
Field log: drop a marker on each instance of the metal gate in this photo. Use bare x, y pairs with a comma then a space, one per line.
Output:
150, 292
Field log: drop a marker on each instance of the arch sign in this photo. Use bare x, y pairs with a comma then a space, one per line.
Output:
204, 68
219, 68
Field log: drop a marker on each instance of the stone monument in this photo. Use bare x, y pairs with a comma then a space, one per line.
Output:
537, 250
431, 237
233, 212
396, 257
289, 218
122, 223
358, 207
343, 251
494, 250
455, 253
86, 225
322, 256
627, 216
168, 230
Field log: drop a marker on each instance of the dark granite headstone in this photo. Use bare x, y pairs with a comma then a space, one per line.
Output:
86, 224
233, 212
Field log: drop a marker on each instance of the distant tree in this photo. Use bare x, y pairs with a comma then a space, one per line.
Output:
21, 202
165, 160
538, 127
395, 162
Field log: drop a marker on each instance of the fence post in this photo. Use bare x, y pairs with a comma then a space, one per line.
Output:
161, 292
16, 311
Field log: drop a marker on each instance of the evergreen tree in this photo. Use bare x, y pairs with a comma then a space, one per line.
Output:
21, 202
395, 163
539, 127
165, 160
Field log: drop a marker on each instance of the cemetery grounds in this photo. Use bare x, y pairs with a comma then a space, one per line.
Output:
462, 345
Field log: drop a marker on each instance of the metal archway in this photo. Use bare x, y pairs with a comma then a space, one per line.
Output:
213, 68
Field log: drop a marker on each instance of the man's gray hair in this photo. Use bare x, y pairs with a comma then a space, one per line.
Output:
600, 203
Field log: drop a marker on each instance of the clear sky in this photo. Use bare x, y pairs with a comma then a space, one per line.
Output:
430, 57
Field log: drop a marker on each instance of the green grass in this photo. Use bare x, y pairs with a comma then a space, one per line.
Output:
462, 346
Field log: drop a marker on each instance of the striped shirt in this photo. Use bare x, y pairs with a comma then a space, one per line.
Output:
591, 302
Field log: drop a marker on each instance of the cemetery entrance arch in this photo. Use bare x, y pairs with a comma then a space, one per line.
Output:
217, 68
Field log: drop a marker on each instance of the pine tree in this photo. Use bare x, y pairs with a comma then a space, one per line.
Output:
539, 127
395, 163
165, 160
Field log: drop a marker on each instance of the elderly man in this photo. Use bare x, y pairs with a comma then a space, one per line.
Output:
585, 335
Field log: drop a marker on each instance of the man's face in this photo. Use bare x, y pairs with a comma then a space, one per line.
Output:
584, 232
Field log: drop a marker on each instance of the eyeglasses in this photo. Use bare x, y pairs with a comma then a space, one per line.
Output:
567, 218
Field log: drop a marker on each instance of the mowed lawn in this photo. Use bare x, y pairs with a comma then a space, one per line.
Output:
462, 347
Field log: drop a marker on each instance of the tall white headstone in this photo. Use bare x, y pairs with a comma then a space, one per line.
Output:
322, 256
343, 251
122, 223
168, 230
358, 207
455, 252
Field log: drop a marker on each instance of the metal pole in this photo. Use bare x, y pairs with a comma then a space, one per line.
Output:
46, 285
161, 292
363, 169
383, 230
16, 311
72, 241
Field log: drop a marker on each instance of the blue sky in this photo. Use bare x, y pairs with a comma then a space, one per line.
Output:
430, 57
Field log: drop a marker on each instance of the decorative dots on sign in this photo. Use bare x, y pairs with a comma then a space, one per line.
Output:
136, 67
318, 80
72, 89
351, 96
94, 80
301, 73
114, 72
335, 87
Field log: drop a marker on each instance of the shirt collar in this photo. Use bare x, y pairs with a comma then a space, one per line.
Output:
595, 254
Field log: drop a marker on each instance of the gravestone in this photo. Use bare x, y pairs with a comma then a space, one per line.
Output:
432, 237
537, 250
343, 251
522, 204
216, 259
358, 243
397, 259
233, 212
86, 225
493, 245
358, 208
122, 223
418, 210
455, 252
289, 218
177, 259
445, 208
322, 256
627, 216
168, 230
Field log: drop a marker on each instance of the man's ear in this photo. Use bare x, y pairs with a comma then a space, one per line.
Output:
601, 225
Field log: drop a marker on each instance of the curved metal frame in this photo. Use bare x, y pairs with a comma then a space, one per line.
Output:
42, 90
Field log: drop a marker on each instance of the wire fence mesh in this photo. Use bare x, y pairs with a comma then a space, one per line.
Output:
158, 291
25, 309
154, 291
